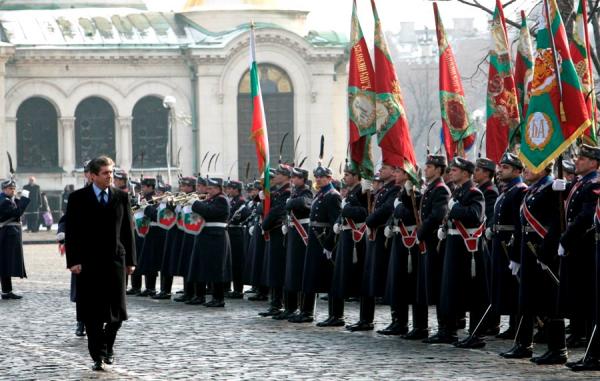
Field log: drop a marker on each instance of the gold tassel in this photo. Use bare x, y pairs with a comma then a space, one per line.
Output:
354, 254
409, 265
473, 271
563, 116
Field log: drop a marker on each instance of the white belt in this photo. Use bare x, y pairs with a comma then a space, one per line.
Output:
154, 224
347, 227
302, 221
456, 232
11, 224
215, 225
410, 228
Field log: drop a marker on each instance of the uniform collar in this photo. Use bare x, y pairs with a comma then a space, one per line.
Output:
326, 188
590, 176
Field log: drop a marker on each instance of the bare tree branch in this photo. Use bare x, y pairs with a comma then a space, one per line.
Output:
476, 4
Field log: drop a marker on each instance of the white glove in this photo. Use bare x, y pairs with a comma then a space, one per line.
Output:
343, 202
387, 232
542, 265
417, 241
559, 185
488, 233
368, 231
261, 195
251, 230
327, 253
337, 228
451, 203
514, 267
396, 202
561, 251
441, 234
284, 229
60, 236
366, 185
408, 186
25, 193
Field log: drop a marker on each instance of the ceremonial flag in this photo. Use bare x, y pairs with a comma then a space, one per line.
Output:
580, 53
502, 104
458, 133
361, 100
393, 134
259, 126
524, 66
557, 113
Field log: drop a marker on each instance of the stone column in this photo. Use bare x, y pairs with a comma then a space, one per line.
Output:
67, 144
6, 51
124, 143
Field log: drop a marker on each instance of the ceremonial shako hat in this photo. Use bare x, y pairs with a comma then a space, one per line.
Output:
149, 182
272, 172
351, 169
568, 166
511, 159
437, 160
463, 164
321, 171
214, 182
86, 166
164, 187
300, 172
189, 181
284, 169
235, 185
589, 152
8, 184
250, 186
120, 174
201, 180
257, 185
376, 177
485, 163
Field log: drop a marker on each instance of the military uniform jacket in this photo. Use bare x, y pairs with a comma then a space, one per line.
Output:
11, 243
211, 255
151, 257
274, 261
324, 212
299, 205
378, 253
256, 247
577, 269
490, 194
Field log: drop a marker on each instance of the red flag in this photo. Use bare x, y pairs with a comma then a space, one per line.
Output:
524, 66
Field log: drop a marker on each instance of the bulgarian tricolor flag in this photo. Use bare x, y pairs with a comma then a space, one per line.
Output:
524, 66
557, 113
361, 100
582, 59
458, 133
502, 105
393, 135
259, 126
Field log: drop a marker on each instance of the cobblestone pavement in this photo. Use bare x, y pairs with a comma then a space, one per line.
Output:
167, 340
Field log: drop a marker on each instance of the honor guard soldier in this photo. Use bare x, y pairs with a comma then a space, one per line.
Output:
296, 231
274, 261
238, 214
577, 243
538, 266
250, 225
403, 265
12, 263
318, 262
256, 249
569, 170
350, 250
464, 286
211, 256
432, 210
121, 180
378, 253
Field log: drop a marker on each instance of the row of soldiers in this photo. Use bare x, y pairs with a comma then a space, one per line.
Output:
478, 237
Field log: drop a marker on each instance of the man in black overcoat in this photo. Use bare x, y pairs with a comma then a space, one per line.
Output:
35, 202
238, 212
100, 250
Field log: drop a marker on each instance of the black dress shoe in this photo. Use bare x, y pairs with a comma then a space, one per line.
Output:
576, 341
394, 329
324, 297
253, 290
361, 325
258, 298
570, 364
182, 291
11, 295
133, 291
80, 330
109, 359
235, 295
471, 342
302, 317
147, 293
416, 334
518, 351
215, 303
332, 321
272, 311
98, 366
196, 301
551, 357
509, 334
182, 298
162, 296
286, 314
441, 338
590, 363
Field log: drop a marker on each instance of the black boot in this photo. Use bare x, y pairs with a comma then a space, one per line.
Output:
518, 351
396, 327
80, 330
551, 357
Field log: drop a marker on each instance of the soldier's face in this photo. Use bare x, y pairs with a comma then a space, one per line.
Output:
480, 175
120, 183
584, 165
400, 176
9, 191
386, 172
147, 189
186, 188
350, 179
532, 177
322, 181
297, 181
458, 175
430, 171
200, 188
104, 178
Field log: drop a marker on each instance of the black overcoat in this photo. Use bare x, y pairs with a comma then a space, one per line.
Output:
12, 263
274, 260
298, 205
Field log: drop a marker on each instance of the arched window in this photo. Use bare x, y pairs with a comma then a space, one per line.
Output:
37, 136
150, 127
278, 100
94, 129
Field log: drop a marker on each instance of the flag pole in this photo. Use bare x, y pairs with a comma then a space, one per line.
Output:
563, 117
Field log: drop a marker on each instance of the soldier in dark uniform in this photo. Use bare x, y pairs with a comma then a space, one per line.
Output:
350, 250
12, 263
577, 243
401, 288
378, 253
463, 276
569, 170
252, 203
296, 231
256, 249
540, 226
432, 210
211, 256
238, 214
318, 262
274, 261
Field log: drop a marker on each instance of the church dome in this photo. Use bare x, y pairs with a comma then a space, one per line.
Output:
11, 5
